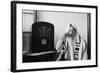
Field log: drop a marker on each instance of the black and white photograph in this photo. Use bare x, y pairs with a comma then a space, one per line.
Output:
53, 36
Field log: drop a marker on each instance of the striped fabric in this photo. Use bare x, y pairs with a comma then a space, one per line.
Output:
69, 52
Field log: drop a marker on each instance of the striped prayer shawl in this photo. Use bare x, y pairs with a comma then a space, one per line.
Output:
69, 52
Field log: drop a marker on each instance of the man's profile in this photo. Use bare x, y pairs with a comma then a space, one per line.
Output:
71, 46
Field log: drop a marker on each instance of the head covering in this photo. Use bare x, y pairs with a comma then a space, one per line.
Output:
68, 26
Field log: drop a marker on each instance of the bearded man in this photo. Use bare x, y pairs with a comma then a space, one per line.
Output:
71, 46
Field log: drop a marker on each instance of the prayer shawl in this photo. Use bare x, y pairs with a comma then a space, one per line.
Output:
69, 50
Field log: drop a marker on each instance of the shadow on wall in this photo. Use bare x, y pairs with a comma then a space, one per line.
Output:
27, 36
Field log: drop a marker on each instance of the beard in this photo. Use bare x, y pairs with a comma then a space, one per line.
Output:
71, 34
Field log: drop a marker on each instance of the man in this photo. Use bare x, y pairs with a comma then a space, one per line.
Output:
71, 46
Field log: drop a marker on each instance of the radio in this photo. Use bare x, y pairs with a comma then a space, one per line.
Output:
42, 37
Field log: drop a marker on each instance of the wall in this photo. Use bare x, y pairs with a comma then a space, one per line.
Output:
5, 37
28, 18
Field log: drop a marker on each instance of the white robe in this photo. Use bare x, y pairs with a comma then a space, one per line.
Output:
70, 50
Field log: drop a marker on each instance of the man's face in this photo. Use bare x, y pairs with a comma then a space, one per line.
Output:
71, 32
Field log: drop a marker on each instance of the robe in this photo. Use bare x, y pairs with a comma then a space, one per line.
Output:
69, 50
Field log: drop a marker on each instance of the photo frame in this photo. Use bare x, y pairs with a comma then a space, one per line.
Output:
52, 18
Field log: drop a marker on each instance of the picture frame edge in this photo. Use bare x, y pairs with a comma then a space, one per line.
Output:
13, 36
